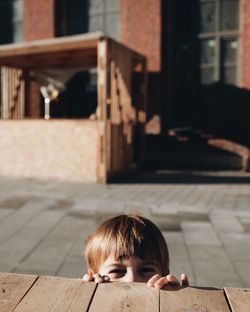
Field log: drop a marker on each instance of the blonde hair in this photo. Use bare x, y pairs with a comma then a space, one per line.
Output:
125, 236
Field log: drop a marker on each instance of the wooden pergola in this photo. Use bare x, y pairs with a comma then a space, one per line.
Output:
121, 110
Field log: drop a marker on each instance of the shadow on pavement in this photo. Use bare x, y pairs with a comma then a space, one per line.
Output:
183, 177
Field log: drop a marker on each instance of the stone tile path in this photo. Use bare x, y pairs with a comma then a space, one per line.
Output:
43, 225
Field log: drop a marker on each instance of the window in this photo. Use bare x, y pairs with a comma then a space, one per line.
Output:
219, 41
11, 21
93, 15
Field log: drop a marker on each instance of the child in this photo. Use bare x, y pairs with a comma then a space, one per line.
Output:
129, 248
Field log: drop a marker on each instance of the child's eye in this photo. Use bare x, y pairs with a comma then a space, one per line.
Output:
117, 272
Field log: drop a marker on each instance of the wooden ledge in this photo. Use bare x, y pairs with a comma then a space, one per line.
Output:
22, 292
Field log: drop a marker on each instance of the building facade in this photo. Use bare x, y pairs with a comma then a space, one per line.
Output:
198, 51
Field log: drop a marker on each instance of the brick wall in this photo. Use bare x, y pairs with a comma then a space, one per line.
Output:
244, 122
141, 29
39, 19
245, 56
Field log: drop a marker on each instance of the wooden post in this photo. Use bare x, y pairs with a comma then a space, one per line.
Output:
103, 78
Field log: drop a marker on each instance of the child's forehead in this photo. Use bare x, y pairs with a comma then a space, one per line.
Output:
133, 261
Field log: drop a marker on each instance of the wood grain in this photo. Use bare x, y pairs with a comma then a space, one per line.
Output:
191, 299
13, 288
239, 299
125, 297
57, 294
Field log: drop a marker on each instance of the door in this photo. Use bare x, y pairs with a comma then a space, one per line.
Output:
205, 70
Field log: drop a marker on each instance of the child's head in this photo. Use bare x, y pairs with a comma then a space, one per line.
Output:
127, 236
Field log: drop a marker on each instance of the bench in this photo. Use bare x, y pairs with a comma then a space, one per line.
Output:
21, 292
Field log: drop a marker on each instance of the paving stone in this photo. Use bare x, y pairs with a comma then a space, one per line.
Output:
25, 240
243, 269
72, 267
226, 224
237, 245
15, 202
9, 260
199, 233
245, 222
164, 209
44, 264
5, 212
207, 225
212, 267
20, 218
176, 245
177, 267
166, 222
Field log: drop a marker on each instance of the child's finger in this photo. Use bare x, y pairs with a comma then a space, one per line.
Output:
98, 278
153, 279
161, 282
106, 278
87, 278
172, 280
184, 280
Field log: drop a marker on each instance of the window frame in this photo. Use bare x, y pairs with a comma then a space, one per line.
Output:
220, 35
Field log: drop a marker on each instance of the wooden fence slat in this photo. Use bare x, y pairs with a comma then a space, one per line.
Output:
193, 300
12, 289
238, 298
57, 294
125, 297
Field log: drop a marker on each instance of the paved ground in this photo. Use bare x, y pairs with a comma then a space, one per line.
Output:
205, 219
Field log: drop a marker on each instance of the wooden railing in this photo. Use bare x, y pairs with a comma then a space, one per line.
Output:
12, 93
19, 293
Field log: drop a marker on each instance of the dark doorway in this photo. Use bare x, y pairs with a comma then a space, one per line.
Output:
202, 55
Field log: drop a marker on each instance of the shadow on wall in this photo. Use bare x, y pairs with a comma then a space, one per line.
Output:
79, 100
224, 110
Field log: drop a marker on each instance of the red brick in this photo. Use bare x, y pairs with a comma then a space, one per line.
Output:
245, 39
39, 19
141, 29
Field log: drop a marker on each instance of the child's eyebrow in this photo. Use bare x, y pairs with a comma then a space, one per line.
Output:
115, 264
153, 263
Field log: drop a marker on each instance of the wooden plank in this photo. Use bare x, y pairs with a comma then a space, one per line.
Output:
83, 58
58, 294
134, 297
13, 288
193, 300
76, 42
238, 298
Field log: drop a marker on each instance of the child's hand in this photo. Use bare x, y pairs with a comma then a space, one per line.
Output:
160, 282
97, 278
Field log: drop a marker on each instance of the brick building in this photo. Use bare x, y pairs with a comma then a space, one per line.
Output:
197, 50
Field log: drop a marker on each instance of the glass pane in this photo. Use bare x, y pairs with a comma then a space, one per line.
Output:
77, 7
5, 11
96, 6
229, 75
18, 32
112, 5
18, 10
207, 75
207, 17
112, 26
208, 51
96, 23
6, 34
78, 25
230, 15
229, 50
